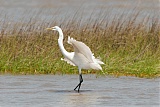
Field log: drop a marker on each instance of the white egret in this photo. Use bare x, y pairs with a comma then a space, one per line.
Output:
81, 57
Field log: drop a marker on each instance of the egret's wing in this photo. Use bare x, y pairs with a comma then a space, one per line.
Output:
68, 61
80, 47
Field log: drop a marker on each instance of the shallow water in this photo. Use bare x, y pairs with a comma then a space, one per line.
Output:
50, 10
57, 90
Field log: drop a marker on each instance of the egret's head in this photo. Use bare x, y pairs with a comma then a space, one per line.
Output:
54, 28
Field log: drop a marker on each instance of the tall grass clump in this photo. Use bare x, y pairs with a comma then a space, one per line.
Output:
127, 44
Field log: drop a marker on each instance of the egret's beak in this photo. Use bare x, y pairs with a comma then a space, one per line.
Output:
48, 29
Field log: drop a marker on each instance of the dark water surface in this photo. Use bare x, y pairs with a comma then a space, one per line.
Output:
57, 91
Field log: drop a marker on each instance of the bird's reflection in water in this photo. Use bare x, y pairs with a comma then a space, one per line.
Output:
85, 98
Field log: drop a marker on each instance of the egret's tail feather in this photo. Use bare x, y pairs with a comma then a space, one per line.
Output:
95, 66
99, 61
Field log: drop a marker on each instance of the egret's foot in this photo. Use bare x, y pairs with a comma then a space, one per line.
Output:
78, 86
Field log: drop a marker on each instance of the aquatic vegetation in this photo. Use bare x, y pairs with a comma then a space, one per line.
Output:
127, 44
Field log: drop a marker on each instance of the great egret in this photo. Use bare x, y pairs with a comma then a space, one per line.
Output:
81, 57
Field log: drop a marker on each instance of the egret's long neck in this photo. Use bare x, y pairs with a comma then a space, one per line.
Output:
60, 42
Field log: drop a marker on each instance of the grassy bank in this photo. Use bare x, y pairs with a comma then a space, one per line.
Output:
127, 45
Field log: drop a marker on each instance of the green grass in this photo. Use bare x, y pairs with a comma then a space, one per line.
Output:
127, 47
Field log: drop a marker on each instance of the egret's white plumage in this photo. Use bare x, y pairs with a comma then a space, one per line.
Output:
81, 57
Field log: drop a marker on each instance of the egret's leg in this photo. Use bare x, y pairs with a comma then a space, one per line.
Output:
79, 85
81, 80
